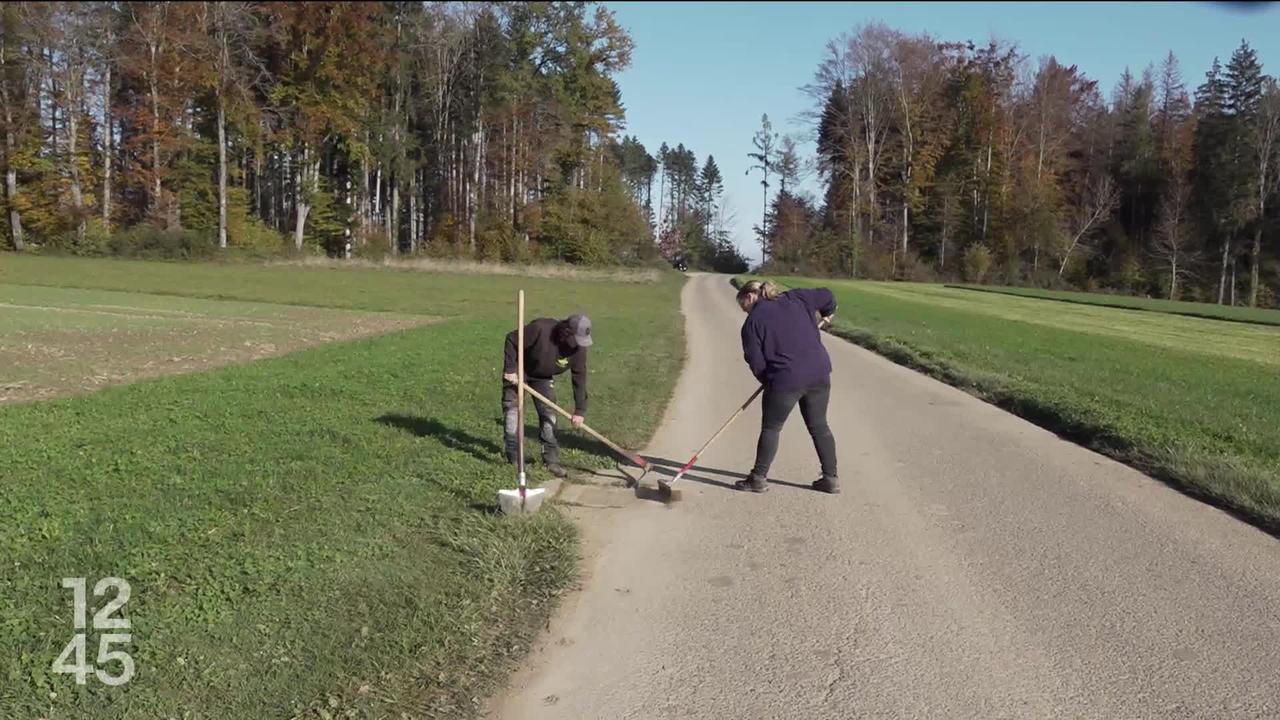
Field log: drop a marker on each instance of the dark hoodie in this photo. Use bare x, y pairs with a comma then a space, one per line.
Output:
781, 341
544, 358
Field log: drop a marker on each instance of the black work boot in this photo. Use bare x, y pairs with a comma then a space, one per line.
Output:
557, 470
753, 484
827, 484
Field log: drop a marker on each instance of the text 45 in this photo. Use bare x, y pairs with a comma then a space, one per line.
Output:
104, 619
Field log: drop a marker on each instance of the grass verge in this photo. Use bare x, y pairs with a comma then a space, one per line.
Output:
1259, 316
1190, 401
310, 535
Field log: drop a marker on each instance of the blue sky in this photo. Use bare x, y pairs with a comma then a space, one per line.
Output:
703, 73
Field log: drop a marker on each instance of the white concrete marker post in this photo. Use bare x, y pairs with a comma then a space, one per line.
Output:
522, 500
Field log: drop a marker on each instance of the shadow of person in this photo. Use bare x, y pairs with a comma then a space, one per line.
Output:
483, 449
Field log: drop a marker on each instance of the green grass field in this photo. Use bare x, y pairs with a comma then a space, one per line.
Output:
1260, 316
1193, 401
309, 535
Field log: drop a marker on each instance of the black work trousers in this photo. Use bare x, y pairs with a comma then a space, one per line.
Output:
813, 407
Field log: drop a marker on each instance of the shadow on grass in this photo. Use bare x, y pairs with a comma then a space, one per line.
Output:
483, 449
566, 438
488, 450
490, 508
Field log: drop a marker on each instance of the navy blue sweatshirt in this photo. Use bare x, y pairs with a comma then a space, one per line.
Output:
781, 341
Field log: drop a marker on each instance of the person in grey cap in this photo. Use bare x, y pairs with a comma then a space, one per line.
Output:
550, 347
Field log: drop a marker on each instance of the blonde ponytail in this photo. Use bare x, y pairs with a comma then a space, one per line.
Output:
764, 289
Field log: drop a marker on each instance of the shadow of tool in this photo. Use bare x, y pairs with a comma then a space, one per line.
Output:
697, 474
670, 467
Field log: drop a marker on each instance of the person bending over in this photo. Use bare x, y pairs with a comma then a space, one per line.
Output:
550, 347
782, 345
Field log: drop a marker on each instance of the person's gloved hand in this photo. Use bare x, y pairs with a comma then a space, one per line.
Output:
511, 378
578, 420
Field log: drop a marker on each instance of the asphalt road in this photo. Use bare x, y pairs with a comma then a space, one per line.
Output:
974, 567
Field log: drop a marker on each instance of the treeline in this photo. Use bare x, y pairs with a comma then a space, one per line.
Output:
690, 215
476, 129
946, 160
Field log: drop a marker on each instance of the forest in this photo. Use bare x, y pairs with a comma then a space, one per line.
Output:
185, 129
948, 160
497, 131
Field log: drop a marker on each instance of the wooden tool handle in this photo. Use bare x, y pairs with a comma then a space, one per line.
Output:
520, 384
609, 443
729, 422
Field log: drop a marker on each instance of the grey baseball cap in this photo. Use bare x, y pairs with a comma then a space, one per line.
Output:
581, 327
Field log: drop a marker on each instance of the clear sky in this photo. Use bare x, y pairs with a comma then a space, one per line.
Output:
703, 73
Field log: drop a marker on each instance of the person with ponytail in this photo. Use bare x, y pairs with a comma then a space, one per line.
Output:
782, 345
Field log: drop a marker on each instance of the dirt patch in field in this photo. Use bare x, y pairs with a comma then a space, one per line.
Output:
469, 267
49, 351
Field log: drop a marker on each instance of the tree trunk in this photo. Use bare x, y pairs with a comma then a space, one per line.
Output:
377, 194
11, 181
662, 197
393, 215
521, 190
270, 206
946, 226
451, 195
366, 200
908, 159
15, 217
1173, 278
77, 195
222, 172
257, 182
1255, 259
10, 146
106, 144
303, 203
872, 219
155, 131
511, 174
905, 220
1233, 282
853, 232
648, 204
1222, 277
413, 214
986, 198
764, 222
473, 192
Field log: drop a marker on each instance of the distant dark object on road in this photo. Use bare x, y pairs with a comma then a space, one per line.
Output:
680, 263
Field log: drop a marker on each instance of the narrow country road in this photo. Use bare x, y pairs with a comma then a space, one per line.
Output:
974, 567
